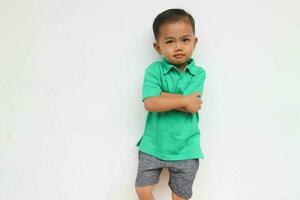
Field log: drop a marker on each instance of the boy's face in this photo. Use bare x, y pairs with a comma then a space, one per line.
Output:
176, 42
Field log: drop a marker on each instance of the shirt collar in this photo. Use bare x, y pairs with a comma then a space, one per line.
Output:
190, 66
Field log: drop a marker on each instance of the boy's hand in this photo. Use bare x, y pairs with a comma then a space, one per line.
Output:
192, 102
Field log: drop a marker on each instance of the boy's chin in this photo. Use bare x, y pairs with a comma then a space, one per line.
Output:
177, 62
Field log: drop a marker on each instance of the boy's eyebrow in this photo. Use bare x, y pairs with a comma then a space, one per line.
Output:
167, 38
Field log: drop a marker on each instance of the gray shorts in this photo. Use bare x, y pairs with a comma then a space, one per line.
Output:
182, 173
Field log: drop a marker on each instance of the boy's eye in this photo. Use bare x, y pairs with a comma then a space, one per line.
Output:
186, 39
169, 41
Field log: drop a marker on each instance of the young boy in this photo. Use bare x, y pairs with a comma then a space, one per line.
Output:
171, 93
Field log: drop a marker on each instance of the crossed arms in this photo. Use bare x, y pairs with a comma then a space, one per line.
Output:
168, 101
156, 100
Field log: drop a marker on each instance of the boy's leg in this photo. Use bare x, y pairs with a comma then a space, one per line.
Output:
145, 193
182, 175
149, 169
175, 197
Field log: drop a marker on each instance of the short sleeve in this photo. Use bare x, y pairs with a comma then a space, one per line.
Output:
151, 84
196, 84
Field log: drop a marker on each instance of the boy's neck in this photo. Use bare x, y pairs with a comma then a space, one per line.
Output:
181, 66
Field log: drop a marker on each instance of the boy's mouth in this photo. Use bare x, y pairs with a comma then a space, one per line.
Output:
179, 55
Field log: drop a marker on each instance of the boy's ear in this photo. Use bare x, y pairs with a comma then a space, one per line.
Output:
157, 48
195, 42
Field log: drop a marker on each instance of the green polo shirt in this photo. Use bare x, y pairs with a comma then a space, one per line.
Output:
172, 135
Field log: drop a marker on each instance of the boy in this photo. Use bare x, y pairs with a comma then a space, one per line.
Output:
171, 93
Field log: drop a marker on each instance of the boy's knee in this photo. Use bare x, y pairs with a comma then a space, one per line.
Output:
144, 192
175, 197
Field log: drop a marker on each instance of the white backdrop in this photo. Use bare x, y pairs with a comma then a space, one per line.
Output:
71, 110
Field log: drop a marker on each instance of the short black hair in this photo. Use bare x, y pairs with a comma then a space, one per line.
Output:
171, 15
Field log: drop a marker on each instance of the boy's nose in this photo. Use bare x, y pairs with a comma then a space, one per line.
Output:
178, 47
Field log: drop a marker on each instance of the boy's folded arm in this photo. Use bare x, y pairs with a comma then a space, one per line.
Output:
182, 109
163, 103
157, 101
165, 94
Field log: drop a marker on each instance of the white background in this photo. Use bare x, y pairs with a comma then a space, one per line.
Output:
71, 110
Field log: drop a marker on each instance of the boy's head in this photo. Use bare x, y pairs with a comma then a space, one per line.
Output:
174, 32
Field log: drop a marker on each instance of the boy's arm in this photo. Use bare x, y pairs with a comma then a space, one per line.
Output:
163, 103
157, 101
171, 95
151, 93
196, 85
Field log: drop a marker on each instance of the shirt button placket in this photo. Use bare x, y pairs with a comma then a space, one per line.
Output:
180, 84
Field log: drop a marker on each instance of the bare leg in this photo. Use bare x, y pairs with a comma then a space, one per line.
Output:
175, 197
145, 193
